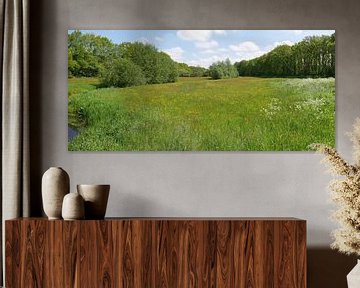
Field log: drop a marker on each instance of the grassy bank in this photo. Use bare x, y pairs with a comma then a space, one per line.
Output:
241, 114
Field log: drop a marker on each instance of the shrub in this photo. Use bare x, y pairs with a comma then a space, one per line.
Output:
157, 66
223, 69
165, 69
122, 73
185, 70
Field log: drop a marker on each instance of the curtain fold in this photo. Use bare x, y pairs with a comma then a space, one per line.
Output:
15, 157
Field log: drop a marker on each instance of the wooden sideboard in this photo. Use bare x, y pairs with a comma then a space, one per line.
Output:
156, 252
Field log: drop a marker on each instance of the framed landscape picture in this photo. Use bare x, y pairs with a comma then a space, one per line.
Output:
200, 90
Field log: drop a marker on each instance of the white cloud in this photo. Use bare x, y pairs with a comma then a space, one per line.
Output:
251, 55
286, 42
175, 53
245, 47
215, 50
159, 39
220, 32
207, 45
194, 35
249, 50
246, 50
207, 61
298, 32
143, 40
208, 51
278, 43
199, 35
204, 62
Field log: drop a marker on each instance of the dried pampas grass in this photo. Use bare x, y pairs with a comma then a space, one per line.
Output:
345, 192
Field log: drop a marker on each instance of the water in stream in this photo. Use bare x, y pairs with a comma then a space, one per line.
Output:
72, 133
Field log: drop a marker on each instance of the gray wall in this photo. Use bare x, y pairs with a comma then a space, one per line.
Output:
195, 184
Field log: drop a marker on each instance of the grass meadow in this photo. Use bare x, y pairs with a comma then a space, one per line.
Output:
199, 114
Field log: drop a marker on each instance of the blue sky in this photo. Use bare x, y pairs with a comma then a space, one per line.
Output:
203, 47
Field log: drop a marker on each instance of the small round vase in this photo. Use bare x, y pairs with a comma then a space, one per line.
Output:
73, 207
96, 198
55, 185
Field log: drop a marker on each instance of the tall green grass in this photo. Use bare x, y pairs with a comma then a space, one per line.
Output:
198, 114
78, 86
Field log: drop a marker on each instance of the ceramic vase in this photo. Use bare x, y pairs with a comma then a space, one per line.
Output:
96, 198
55, 185
353, 278
73, 207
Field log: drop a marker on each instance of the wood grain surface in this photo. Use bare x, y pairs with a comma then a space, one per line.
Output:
161, 252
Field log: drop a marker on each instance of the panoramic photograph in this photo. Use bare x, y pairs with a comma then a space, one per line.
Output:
200, 90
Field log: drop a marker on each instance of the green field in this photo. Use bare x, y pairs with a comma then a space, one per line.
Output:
199, 114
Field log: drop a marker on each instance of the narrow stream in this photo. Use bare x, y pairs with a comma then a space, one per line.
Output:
72, 133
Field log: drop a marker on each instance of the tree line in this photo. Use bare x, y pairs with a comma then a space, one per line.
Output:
119, 65
185, 70
137, 63
130, 64
312, 57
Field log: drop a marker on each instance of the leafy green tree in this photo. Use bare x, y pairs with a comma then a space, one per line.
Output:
157, 66
314, 56
197, 71
122, 73
72, 65
87, 54
91, 55
183, 70
216, 71
222, 70
165, 69
143, 55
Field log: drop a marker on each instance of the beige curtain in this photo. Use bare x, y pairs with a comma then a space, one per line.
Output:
14, 58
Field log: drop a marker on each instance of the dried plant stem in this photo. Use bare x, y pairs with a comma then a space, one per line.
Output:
345, 192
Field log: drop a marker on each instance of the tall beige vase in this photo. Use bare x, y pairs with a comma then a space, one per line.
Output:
55, 185
353, 278
96, 198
